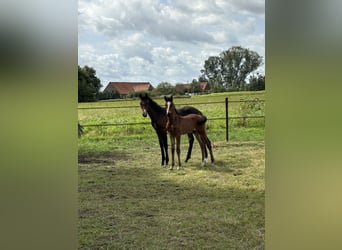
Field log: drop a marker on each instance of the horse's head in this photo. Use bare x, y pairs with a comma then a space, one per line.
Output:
144, 104
168, 104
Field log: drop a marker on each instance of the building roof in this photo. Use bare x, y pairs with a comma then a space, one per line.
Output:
204, 85
123, 88
184, 85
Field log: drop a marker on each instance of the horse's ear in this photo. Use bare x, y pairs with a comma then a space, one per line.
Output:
141, 96
171, 98
165, 98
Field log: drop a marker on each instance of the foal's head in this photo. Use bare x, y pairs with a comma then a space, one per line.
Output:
144, 104
170, 110
169, 104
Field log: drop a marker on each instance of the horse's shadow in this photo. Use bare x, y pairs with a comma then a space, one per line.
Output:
222, 166
100, 158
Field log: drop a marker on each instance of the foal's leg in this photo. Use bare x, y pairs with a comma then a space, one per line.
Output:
178, 138
172, 138
164, 136
191, 142
161, 144
205, 151
208, 144
202, 145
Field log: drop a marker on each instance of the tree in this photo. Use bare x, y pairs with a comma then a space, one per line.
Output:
180, 89
109, 95
88, 84
164, 88
213, 69
216, 85
195, 86
231, 68
256, 82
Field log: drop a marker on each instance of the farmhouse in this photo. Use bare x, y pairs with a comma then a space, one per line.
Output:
124, 88
204, 86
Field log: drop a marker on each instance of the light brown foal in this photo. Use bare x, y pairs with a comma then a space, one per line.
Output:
178, 125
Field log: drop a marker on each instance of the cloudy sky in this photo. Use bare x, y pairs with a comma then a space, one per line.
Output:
164, 40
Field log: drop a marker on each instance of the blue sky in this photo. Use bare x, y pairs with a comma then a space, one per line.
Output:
164, 41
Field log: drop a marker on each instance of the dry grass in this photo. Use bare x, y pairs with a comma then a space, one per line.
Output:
127, 201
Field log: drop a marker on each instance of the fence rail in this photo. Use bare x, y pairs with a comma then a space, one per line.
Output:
226, 118
193, 103
146, 123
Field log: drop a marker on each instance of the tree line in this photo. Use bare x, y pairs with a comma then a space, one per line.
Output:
232, 70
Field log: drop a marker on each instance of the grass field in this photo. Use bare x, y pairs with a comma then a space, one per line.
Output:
127, 201
213, 106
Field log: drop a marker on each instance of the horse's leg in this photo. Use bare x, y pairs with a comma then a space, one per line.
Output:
191, 142
172, 151
160, 138
178, 138
205, 151
202, 145
208, 144
164, 136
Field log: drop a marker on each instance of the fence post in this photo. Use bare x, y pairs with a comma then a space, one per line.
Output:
227, 135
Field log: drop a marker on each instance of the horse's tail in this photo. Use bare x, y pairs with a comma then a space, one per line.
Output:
202, 120
80, 130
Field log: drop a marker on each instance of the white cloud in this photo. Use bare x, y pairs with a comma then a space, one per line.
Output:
152, 40
209, 19
256, 7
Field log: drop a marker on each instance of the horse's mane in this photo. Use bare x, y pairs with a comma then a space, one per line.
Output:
155, 106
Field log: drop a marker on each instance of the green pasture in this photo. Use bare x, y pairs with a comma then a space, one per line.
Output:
128, 201
128, 112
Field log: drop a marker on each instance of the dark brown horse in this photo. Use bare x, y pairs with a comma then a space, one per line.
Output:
158, 121
178, 125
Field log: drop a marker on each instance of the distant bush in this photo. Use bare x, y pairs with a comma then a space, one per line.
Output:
249, 107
